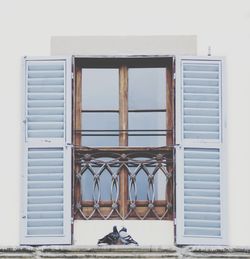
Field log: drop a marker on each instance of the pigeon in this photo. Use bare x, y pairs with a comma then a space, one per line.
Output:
111, 238
125, 238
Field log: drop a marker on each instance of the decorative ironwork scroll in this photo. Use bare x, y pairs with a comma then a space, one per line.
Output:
101, 191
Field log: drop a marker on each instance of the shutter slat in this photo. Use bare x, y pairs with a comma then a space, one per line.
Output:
201, 104
201, 200
45, 215
199, 177
203, 232
47, 207
49, 96
42, 177
201, 112
44, 169
45, 231
45, 126
45, 223
45, 81
202, 208
203, 223
46, 111
48, 118
202, 169
46, 103
45, 192
201, 193
46, 74
201, 216
45, 200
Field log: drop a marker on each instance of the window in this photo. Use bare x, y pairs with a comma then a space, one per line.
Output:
123, 154
124, 138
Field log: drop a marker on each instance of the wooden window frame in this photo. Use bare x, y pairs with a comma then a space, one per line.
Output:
123, 64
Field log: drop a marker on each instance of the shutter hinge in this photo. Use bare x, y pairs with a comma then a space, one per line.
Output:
175, 221
72, 221
69, 145
177, 146
174, 76
72, 75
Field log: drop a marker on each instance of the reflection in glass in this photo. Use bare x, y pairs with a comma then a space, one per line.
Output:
105, 185
100, 121
96, 181
147, 88
142, 183
147, 121
100, 89
87, 183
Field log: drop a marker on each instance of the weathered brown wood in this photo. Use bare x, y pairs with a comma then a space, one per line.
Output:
170, 108
143, 210
78, 105
101, 203
139, 203
123, 105
125, 149
169, 189
123, 137
157, 203
77, 126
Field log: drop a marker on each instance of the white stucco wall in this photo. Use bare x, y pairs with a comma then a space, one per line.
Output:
27, 26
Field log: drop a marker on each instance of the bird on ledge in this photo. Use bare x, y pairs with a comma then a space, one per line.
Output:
125, 238
111, 238
117, 238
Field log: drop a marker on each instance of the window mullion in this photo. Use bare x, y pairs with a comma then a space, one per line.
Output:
123, 136
123, 105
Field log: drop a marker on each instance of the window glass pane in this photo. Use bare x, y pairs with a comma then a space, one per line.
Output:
147, 88
100, 121
147, 121
100, 88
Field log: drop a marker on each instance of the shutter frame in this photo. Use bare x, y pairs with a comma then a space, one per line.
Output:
182, 146
45, 228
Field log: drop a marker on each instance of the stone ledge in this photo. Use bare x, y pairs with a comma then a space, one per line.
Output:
17, 252
215, 252
107, 252
127, 252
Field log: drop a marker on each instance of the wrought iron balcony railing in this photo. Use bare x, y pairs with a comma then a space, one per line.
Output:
123, 184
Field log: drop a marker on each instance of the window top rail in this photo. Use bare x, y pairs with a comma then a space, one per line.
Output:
130, 110
124, 149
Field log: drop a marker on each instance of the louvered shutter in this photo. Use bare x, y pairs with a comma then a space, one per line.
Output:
200, 155
46, 208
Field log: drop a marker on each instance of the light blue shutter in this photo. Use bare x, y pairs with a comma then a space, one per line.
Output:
46, 208
200, 155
